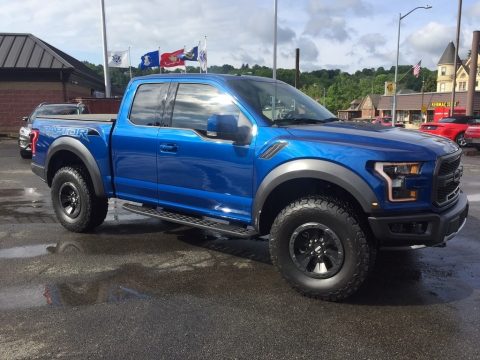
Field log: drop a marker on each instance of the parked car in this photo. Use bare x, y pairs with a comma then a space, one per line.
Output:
472, 134
44, 109
387, 121
452, 127
203, 151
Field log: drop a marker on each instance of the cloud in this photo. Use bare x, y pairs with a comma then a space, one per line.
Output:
327, 18
428, 43
308, 49
374, 43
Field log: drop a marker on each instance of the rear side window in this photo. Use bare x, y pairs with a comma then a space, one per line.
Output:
195, 103
462, 120
147, 107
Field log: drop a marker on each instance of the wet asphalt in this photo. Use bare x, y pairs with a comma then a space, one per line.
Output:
138, 288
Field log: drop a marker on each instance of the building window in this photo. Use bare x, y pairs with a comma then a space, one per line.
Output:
442, 87
462, 86
476, 84
443, 70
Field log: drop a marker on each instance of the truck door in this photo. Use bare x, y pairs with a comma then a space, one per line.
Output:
198, 170
134, 144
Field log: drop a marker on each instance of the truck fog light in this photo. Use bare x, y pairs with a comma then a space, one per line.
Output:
415, 228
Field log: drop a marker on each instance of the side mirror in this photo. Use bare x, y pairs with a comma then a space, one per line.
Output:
25, 118
224, 127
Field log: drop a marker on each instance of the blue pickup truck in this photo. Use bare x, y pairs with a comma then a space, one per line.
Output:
247, 156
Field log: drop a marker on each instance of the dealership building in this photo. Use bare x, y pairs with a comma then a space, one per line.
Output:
32, 72
410, 104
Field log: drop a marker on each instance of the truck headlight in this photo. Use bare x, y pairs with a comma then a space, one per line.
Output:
395, 175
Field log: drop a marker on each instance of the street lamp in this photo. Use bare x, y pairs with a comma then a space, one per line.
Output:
400, 17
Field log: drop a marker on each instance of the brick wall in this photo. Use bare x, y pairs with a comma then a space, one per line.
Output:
18, 99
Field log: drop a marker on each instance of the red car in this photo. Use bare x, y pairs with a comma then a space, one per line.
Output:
386, 121
452, 127
472, 134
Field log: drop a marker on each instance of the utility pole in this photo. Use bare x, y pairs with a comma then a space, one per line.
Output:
297, 68
472, 75
457, 43
423, 91
400, 17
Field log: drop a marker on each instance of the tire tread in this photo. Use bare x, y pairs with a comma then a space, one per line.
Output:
365, 256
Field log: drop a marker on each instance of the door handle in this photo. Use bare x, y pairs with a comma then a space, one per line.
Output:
168, 148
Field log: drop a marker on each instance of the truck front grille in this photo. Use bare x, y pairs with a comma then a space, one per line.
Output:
447, 179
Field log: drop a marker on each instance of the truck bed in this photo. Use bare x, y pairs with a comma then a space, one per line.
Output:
82, 117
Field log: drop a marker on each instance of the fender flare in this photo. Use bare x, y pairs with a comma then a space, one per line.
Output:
81, 151
317, 169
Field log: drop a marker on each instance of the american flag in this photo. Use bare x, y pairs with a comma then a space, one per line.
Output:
416, 69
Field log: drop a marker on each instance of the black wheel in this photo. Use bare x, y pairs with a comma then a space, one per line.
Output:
77, 207
319, 247
25, 154
460, 140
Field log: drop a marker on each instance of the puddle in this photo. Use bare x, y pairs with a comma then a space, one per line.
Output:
22, 297
25, 251
66, 294
473, 197
28, 192
89, 293
117, 213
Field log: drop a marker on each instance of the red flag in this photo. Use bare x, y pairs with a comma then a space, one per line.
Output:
169, 60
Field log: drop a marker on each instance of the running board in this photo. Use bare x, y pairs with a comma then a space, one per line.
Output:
237, 231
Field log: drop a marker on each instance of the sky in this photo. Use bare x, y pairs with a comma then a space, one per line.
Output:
331, 34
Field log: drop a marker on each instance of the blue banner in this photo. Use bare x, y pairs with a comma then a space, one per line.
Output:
190, 55
149, 60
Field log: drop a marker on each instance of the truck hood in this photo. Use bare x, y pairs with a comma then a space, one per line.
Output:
376, 137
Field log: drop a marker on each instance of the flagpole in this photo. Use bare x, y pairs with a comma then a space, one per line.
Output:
159, 61
198, 53
275, 40
105, 56
184, 46
206, 57
130, 63
423, 92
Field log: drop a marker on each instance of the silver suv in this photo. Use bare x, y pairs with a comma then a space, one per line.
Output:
44, 109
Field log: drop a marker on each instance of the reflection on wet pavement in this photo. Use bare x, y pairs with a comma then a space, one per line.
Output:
22, 297
24, 251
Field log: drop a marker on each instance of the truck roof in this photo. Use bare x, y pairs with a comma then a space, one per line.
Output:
221, 77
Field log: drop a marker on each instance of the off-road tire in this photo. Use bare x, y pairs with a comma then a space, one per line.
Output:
340, 217
100, 207
90, 211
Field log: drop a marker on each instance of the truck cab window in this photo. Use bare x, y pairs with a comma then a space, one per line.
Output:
195, 103
147, 108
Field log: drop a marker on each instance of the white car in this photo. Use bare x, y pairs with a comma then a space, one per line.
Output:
44, 109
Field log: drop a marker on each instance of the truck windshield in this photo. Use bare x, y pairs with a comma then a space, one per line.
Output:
281, 104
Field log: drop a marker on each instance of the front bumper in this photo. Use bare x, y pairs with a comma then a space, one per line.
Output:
427, 229
472, 140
